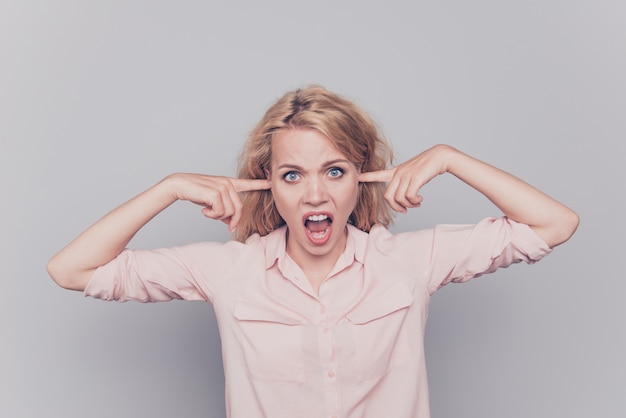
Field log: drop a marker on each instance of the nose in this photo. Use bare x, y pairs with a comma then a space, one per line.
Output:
315, 192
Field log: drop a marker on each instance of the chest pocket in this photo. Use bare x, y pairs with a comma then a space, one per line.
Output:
378, 328
272, 343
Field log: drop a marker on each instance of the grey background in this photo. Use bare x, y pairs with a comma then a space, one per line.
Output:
99, 100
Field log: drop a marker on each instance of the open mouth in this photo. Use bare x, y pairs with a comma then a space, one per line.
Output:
318, 227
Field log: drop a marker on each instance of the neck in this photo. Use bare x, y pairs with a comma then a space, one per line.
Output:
316, 267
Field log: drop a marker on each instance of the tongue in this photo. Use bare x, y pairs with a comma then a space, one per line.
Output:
317, 226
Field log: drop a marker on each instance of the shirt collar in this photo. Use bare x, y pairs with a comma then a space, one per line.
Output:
276, 244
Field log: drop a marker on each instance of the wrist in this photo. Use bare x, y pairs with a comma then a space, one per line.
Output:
448, 157
168, 188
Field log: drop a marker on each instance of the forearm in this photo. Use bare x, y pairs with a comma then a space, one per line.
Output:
550, 219
74, 265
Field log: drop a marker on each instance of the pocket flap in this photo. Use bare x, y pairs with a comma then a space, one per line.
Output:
392, 300
246, 310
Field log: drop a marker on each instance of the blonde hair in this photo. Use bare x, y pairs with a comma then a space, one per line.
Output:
348, 127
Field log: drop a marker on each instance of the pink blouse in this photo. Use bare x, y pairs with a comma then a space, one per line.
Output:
353, 350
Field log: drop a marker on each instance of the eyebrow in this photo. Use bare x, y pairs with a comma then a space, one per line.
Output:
326, 164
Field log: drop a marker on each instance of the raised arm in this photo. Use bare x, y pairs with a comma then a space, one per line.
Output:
551, 220
74, 265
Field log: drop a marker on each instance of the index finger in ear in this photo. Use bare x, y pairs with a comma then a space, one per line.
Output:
248, 185
381, 176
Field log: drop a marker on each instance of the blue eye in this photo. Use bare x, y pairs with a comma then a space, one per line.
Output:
291, 176
335, 172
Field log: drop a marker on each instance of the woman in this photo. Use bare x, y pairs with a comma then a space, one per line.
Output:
321, 310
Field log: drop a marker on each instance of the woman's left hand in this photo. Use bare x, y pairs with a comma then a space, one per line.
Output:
550, 219
407, 179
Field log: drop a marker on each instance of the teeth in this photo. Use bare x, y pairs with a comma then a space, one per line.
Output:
319, 235
317, 218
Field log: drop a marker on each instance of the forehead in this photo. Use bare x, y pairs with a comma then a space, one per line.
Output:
303, 147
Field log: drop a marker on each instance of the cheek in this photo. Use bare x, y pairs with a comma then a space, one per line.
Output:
348, 195
355, 196
282, 200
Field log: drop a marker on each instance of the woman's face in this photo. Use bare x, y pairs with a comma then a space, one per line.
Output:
315, 189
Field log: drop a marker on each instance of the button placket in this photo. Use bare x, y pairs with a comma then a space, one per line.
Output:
328, 361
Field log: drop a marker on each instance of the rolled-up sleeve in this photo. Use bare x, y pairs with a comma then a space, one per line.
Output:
192, 272
462, 252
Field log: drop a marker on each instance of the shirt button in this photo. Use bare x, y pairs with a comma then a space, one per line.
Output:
322, 309
331, 373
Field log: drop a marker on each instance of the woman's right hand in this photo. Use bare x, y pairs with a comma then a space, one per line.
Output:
219, 196
74, 265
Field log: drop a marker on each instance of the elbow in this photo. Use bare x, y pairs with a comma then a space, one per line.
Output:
61, 277
55, 273
565, 227
573, 220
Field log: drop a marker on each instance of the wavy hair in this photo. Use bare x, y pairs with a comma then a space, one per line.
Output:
347, 126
